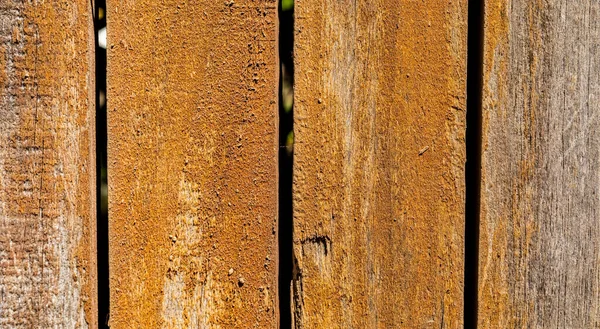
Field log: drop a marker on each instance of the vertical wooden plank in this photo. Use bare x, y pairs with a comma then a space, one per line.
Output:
540, 237
47, 165
192, 128
379, 164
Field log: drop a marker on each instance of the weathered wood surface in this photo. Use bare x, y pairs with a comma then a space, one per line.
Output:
47, 165
540, 217
192, 129
379, 164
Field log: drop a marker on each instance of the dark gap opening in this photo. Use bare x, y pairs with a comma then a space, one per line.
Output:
101, 177
473, 165
286, 159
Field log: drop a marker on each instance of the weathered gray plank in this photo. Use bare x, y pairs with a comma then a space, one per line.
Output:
47, 165
540, 218
379, 164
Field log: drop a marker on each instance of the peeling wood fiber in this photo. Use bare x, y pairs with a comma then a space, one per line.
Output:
47, 165
379, 163
540, 233
192, 171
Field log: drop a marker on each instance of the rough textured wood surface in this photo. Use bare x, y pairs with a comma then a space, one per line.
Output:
379, 164
540, 218
47, 165
192, 130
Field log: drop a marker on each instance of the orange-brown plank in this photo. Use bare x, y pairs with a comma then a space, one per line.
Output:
192, 163
540, 217
47, 165
379, 163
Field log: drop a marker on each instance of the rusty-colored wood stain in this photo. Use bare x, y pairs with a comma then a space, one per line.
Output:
192, 149
379, 164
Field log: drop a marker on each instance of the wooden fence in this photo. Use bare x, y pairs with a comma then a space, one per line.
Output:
399, 217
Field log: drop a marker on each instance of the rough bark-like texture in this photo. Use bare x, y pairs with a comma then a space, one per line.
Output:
47, 165
192, 128
540, 218
379, 160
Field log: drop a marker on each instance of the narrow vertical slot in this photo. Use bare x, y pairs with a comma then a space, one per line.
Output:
473, 165
101, 175
286, 159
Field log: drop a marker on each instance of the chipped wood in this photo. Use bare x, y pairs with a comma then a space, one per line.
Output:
379, 226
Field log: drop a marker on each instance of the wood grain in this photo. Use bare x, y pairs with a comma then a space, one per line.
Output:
192, 169
47, 165
540, 237
379, 164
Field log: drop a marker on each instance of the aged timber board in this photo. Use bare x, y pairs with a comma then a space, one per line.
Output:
192, 163
47, 165
540, 218
379, 164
